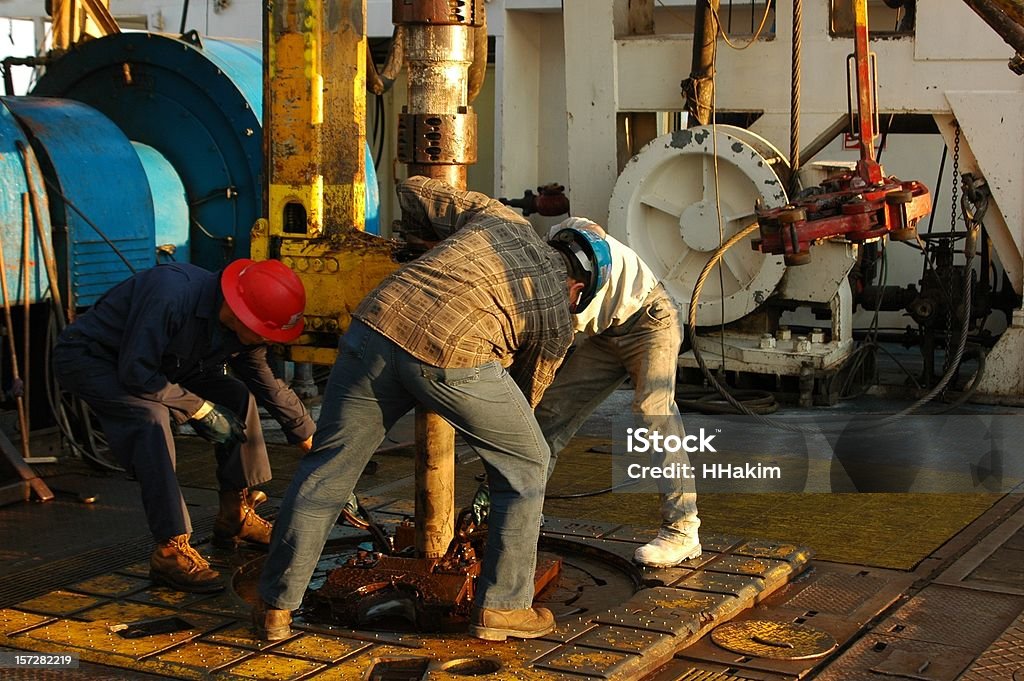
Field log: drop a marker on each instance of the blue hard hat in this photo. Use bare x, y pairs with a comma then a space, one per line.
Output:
593, 256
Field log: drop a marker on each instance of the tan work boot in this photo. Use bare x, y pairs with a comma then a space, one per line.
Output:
497, 625
177, 565
271, 624
238, 521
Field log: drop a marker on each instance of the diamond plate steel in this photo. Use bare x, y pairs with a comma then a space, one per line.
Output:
776, 640
708, 607
920, 666
654, 577
95, 642
532, 650
587, 661
719, 543
681, 625
117, 612
358, 666
621, 639
854, 593
688, 670
322, 648
773, 572
944, 614
566, 631
1002, 659
197, 657
743, 586
857, 663
978, 566
15, 621
1004, 566
644, 631
59, 602
271, 667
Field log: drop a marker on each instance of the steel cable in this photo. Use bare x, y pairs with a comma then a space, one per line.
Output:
774, 423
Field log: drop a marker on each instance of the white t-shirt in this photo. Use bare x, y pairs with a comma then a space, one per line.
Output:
630, 283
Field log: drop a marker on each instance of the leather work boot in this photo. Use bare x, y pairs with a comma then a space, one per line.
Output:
271, 624
177, 565
497, 625
238, 521
668, 550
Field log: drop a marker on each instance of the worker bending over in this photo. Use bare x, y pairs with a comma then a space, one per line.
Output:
473, 330
632, 330
152, 349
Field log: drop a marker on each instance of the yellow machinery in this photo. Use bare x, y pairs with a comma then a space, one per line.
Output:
314, 134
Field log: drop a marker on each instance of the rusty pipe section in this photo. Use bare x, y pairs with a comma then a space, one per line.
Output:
437, 139
437, 134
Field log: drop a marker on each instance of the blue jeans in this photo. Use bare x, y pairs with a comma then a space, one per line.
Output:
646, 349
373, 383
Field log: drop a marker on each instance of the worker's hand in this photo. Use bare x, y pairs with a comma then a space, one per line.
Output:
218, 424
307, 445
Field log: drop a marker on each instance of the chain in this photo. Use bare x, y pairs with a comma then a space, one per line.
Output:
956, 179
955, 192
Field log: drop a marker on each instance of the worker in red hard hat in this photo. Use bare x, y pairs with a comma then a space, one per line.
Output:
151, 351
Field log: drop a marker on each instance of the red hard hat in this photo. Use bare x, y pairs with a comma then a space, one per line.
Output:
266, 296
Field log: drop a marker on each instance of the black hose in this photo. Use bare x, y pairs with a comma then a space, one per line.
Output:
593, 493
759, 401
91, 451
774, 423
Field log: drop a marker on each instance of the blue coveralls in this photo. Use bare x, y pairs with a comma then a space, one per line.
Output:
153, 349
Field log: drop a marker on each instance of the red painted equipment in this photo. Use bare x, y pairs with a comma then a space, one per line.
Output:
857, 206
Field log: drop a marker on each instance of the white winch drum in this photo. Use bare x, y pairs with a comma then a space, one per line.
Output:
664, 208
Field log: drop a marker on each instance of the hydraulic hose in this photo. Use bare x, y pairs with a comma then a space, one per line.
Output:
717, 256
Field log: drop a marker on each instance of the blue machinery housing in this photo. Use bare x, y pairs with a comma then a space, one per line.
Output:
157, 141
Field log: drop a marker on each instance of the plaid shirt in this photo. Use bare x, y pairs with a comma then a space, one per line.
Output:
491, 290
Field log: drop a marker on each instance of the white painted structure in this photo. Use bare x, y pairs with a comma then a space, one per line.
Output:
567, 69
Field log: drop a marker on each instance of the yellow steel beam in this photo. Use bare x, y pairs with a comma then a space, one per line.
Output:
73, 19
314, 136
316, 55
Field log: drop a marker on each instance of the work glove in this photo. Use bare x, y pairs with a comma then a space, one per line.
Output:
218, 424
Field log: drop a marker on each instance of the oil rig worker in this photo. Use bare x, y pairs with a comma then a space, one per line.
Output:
631, 329
474, 330
153, 350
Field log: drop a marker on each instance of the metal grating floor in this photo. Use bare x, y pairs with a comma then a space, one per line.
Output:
80, 593
625, 642
1003, 659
